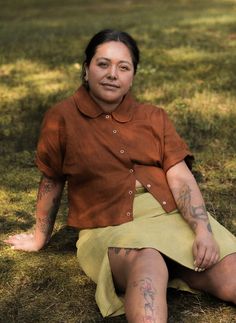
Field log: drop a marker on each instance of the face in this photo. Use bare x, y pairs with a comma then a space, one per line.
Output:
110, 74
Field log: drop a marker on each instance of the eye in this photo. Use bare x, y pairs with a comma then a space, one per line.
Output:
103, 64
124, 68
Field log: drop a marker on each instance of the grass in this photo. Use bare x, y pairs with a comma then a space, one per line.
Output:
188, 66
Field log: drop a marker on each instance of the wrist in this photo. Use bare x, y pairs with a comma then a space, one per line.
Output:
203, 228
40, 239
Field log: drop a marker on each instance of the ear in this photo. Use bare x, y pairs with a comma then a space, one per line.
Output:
86, 72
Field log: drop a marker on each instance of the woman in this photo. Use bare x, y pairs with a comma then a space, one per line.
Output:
142, 217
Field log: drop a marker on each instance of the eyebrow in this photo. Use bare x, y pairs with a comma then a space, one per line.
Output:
107, 59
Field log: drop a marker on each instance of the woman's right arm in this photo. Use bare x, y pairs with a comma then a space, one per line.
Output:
48, 202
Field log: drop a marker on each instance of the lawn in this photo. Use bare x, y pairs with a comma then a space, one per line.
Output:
188, 66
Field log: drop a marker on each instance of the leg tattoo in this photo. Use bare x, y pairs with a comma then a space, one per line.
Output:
148, 292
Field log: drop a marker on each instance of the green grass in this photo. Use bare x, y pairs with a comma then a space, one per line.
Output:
188, 66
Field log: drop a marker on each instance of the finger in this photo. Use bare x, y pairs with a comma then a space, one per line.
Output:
195, 254
18, 237
200, 257
215, 259
206, 261
18, 246
14, 242
12, 238
215, 256
201, 270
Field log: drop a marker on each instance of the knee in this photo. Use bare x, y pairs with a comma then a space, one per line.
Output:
150, 260
227, 293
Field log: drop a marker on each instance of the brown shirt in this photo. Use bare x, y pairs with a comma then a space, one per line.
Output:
102, 154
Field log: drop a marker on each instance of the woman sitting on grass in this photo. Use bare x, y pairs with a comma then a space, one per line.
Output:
143, 221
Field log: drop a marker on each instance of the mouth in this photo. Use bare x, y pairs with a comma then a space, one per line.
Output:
110, 85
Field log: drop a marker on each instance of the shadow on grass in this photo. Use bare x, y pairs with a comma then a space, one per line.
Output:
21, 133
64, 240
22, 221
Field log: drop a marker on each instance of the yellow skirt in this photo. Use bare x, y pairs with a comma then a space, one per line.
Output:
152, 227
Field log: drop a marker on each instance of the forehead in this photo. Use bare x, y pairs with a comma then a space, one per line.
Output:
113, 50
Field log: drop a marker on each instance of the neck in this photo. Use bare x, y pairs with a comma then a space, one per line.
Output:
106, 106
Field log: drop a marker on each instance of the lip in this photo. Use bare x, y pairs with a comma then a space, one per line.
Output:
110, 85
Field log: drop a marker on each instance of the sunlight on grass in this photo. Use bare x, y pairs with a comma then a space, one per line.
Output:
209, 103
11, 94
188, 54
204, 21
27, 76
152, 95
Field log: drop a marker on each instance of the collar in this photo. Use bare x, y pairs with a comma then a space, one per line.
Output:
87, 106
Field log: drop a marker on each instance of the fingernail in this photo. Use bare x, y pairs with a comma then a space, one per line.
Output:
196, 269
195, 262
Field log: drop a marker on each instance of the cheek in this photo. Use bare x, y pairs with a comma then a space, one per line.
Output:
127, 81
94, 73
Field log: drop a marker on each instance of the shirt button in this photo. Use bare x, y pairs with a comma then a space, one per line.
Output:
130, 192
107, 116
122, 151
164, 202
131, 170
128, 213
114, 131
149, 185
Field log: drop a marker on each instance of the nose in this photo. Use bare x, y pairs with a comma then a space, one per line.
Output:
112, 73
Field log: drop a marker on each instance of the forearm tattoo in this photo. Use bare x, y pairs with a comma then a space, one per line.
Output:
148, 292
46, 224
193, 214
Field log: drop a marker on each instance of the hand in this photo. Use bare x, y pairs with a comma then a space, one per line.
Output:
206, 251
24, 241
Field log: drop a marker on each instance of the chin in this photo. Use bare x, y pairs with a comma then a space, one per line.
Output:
111, 98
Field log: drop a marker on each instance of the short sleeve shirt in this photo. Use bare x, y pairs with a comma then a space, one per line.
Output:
102, 154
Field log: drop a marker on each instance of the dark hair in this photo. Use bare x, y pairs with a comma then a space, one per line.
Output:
107, 35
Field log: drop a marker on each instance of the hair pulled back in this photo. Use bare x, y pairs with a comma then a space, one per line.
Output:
107, 35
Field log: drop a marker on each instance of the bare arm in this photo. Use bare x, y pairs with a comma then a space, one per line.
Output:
48, 201
191, 205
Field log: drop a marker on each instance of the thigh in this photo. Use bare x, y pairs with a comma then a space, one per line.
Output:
211, 280
126, 262
120, 262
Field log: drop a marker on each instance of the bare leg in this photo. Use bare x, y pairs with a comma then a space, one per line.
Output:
143, 276
219, 280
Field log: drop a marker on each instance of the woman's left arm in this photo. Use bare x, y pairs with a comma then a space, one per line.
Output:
191, 205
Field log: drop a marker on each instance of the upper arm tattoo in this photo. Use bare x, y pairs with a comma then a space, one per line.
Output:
46, 185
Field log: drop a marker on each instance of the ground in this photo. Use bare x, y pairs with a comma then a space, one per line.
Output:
188, 66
